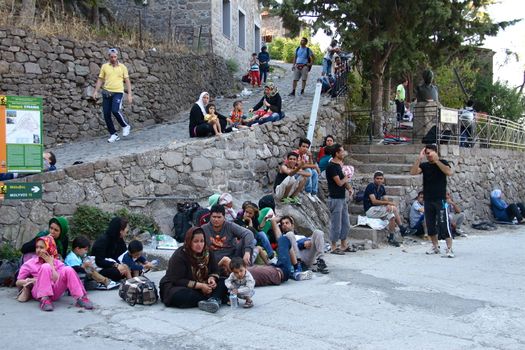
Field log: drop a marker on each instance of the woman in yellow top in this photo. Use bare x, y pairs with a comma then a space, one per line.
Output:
113, 75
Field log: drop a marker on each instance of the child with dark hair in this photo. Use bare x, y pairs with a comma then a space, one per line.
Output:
240, 281
255, 77
212, 118
237, 117
82, 265
134, 258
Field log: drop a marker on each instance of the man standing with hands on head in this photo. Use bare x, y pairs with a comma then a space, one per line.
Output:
337, 186
435, 172
113, 75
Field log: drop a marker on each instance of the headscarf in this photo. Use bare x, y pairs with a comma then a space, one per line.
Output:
273, 89
213, 199
225, 198
199, 262
200, 103
51, 247
496, 193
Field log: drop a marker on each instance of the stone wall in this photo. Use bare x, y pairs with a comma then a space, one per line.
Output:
64, 72
243, 163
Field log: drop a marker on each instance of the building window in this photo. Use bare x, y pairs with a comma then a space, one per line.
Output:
257, 39
242, 30
226, 18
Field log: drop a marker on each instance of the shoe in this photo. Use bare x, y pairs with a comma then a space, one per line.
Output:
298, 267
403, 230
292, 93
248, 304
113, 138
126, 130
303, 275
433, 250
311, 196
448, 254
85, 303
211, 305
273, 261
320, 268
46, 305
392, 241
302, 92
411, 232
112, 285
321, 262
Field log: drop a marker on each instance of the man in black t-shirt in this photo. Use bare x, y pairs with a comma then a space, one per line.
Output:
337, 186
435, 172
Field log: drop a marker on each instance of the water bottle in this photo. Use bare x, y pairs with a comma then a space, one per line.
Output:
234, 301
155, 263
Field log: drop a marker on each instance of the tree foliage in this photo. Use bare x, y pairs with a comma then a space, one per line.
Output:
284, 49
411, 33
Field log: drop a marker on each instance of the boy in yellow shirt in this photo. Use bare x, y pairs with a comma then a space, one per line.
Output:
113, 75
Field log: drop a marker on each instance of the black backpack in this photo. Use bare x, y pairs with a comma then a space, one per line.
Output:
201, 216
182, 221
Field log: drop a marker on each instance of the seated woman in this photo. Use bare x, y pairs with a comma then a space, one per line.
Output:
109, 247
192, 278
199, 126
506, 212
324, 157
271, 103
46, 278
58, 229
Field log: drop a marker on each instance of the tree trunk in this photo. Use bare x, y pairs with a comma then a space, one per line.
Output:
95, 16
387, 84
27, 12
376, 95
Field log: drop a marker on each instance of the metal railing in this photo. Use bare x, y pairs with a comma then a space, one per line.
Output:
481, 131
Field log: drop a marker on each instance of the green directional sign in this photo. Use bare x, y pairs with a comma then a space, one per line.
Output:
23, 190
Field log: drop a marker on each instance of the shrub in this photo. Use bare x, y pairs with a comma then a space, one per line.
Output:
9, 252
92, 222
232, 65
284, 49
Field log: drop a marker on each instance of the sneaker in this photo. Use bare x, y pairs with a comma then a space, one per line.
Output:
433, 250
320, 269
126, 130
302, 92
292, 93
403, 230
448, 254
211, 305
113, 138
85, 303
46, 305
321, 262
310, 196
303, 275
273, 261
112, 285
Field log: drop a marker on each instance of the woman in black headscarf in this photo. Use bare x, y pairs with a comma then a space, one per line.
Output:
109, 247
192, 278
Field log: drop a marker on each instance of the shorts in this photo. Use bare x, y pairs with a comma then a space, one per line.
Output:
379, 212
300, 73
437, 219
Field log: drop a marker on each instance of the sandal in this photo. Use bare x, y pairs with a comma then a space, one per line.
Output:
248, 304
349, 249
46, 305
337, 251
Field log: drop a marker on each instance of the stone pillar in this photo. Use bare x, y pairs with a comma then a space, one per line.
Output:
425, 116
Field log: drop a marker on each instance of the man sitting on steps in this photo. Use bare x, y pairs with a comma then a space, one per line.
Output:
377, 206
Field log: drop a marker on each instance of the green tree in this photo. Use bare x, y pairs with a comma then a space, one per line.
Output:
376, 31
450, 92
498, 99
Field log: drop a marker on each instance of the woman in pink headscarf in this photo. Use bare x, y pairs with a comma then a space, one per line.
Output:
46, 278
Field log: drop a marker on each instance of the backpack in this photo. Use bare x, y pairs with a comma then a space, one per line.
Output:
182, 221
138, 290
8, 272
201, 216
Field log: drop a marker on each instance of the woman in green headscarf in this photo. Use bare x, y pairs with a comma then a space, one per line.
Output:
58, 229
271, 105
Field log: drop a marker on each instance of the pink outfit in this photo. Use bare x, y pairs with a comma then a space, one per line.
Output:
45, 286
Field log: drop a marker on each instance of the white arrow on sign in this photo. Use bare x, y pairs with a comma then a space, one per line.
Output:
35, 189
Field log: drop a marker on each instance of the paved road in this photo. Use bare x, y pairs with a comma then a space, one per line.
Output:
375, 299
160, 135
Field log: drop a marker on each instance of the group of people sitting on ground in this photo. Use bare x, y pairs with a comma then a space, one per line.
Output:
229, 255
206, 121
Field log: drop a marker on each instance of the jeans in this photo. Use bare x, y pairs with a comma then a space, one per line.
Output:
327, 66
112, 104
312, 181
273, 118
339, 219
419, 226
283, 256
263, 240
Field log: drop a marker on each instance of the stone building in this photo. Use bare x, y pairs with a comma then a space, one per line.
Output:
229, 28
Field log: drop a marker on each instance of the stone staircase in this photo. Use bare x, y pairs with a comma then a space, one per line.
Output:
395, 162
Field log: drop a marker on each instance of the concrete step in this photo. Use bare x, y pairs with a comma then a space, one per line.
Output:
367, 233
386, 149
387, 168
385, 158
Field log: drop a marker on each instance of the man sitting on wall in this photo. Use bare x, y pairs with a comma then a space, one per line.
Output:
290, 179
